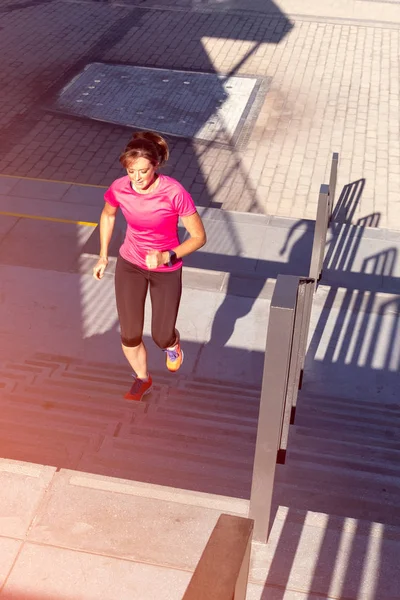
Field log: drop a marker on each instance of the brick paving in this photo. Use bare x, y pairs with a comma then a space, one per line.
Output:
334, 87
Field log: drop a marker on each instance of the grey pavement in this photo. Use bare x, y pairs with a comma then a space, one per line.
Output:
327, 76
105, 499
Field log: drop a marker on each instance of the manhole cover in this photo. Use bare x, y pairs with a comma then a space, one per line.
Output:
204, 106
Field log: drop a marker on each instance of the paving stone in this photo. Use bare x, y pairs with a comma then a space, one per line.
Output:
6, 225
118, 523
47, 572
23, 486
7, 184
9, 549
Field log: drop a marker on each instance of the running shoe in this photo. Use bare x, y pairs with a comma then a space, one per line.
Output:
139, 389
174, 357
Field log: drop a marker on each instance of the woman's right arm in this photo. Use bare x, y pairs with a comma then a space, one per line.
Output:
107, 222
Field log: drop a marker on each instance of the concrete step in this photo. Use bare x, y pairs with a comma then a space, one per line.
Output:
190, 459
359, 465
212, 403
367, 405
210, 417
48, 416
46, 444
348, 406
320, 436
333, 479
51, 402
365, 414
88, 371
302, 443
201, 428
338, 502
187, 466
54, 398
215, 444
332, 425
147, 447
218, 447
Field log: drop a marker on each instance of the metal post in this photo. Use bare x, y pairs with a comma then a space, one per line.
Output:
309, 291
272, 401
321, 228
299, 347
332, 182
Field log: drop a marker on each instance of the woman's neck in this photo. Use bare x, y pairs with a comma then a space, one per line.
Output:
150, 188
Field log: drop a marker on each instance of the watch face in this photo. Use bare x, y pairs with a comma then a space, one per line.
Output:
172, 257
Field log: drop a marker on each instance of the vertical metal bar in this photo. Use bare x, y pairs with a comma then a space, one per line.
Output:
332, 182
295, 366
272, 401
321, 228
300, 331
243, 577
309, 292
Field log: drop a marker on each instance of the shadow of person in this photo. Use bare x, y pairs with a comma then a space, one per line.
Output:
299, 240
296, 254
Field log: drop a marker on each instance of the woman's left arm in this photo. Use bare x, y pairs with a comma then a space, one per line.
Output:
197, 238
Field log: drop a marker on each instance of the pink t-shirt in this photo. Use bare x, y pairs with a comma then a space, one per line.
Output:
152, 218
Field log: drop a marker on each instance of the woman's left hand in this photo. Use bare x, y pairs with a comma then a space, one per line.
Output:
154, 259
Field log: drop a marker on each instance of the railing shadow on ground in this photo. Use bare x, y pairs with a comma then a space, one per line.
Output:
350, 562
355, 350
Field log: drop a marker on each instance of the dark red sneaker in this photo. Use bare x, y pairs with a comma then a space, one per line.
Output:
139, 389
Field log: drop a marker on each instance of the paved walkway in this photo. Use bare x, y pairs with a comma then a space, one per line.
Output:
130, 493
331, 73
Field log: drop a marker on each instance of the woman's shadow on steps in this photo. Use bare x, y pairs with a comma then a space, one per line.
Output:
288, 251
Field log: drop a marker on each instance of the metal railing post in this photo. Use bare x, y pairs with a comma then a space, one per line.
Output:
332, 182
321, 229
298, 352
272, 401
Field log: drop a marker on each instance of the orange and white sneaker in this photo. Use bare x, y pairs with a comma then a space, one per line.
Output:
174, 357
139, 389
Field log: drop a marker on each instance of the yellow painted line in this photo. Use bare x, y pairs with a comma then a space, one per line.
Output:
102, 187
53, 219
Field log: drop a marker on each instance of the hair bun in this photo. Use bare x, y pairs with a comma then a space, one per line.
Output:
149, 144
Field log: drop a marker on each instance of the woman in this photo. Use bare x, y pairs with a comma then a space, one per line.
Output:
151, 255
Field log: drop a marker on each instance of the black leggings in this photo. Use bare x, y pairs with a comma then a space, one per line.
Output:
131, 284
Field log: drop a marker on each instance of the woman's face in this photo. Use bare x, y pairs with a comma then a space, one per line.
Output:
141, 172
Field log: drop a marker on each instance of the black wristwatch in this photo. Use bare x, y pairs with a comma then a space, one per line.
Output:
172, 258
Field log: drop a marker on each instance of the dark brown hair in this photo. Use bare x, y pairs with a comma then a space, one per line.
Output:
145, 144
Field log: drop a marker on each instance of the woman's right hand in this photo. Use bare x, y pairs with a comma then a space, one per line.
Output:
98, 270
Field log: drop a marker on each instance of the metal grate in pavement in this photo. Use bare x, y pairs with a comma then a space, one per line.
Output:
203, 106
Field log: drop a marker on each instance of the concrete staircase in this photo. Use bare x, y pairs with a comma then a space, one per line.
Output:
343, 459
343, 456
